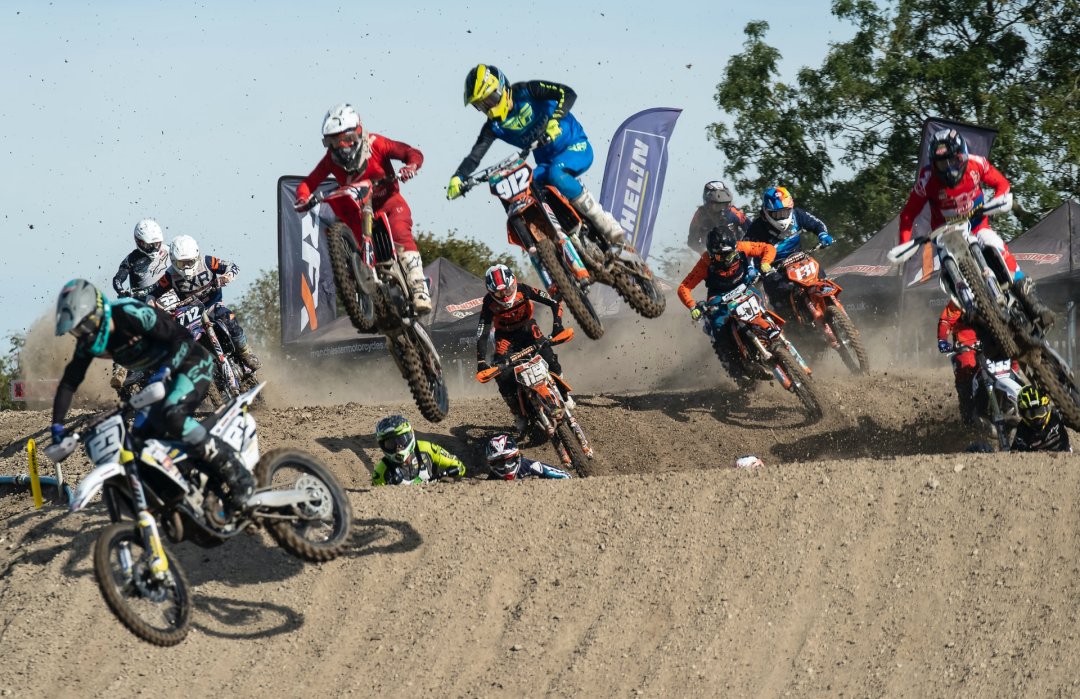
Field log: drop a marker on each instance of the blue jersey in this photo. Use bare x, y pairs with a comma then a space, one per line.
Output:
761, 232
534, 104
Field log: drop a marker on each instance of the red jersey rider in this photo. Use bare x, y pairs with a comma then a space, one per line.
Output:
353, 155
952, 184
508, 307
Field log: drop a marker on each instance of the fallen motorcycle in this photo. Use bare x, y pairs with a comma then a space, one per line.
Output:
155, 483
995, 387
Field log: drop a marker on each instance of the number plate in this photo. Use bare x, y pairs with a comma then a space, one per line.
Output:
508, 184
533, 373
104, 445
1002, 368
748, 308
804, 271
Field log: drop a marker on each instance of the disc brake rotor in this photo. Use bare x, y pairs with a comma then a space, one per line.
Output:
319, 504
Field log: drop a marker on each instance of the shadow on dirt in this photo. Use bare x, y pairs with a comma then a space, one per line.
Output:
761, 407
246, 559
382, 536
76, 541
241, 619
871, 439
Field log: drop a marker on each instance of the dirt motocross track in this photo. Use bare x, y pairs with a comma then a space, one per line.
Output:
870, 557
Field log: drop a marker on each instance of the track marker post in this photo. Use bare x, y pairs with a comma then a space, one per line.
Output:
35, 481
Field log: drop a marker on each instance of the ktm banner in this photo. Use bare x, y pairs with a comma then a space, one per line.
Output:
307, 283
634, 174
979, 141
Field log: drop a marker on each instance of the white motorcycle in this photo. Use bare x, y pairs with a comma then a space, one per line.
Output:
995, 387
156, 483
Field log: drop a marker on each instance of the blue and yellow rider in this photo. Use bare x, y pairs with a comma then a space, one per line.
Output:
529, 111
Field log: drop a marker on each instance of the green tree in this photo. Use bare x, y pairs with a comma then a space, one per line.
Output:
467, 253
10, 369
845, 135
259, 309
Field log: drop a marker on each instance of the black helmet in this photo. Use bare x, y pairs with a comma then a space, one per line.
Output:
948, 156
1033, 405
722, 244
84, 312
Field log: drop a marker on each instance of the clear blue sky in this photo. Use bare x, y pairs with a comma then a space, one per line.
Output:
189, 112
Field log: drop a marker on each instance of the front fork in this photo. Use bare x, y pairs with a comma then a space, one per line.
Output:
159, 563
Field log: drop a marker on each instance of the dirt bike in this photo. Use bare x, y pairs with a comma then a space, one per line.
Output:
978, 280
816, 304
566, 253
231, 376
542, 403
370, 282
995, 387
156, 483
759, 339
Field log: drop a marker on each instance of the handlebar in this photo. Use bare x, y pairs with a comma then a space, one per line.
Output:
354, 190
481, 176
488, 374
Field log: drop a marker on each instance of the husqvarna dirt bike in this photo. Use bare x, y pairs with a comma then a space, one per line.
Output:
532, 225
542, 402
157, 484
370, 281
759, 337
816, 304
977, 279
995, 388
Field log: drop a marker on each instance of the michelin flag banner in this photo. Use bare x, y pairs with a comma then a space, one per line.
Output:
634, 174
307, 283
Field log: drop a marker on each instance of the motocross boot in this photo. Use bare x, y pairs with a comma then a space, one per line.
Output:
416, 281
1025, 291
230, 470
245, 355
601, 221
119, 373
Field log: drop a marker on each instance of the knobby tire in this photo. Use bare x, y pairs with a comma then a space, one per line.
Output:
565, 434
361, 311
850, 340
802, 385
988, 314
572, 294
1044, 369
643, 295
429, 393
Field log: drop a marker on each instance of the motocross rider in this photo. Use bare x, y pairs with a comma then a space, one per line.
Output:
529, 111
952, 184
192, 274
141, 269
723, 266
716, 207
144, 338
1040, 428
951, 323
508, 307
409, 460
781, 223
505, 462
352, 155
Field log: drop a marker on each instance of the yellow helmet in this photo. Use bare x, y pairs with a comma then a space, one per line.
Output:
487, 90
1033, 405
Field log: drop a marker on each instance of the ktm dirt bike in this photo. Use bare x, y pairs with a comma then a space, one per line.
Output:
762, 348
978, 280
542, 403
816, 304
231, 376
995, 388
370, 282
152, 484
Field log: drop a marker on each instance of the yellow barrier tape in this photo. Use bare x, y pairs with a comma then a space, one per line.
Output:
35, 482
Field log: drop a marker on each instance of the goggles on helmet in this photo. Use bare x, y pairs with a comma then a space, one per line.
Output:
393, 443
779, 214
86, 327
148, 247
1035, 414
345, 139
186, 264
484, 104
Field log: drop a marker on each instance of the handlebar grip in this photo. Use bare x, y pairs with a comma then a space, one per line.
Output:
488, 374
565, 336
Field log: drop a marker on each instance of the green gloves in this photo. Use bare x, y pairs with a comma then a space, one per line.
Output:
553, 130
695, 312
453, 190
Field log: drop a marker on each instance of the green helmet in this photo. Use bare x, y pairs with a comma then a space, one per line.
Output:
396, 438
1033, 405
84, 312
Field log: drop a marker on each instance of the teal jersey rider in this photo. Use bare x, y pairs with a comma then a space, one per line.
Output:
525, 112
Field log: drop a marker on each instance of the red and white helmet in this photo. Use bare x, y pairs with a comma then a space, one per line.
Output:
343, 133
501, 284
503, 457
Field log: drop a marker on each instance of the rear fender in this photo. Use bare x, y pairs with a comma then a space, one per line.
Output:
92, 483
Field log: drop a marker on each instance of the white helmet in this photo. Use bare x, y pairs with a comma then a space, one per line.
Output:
343, 134
148, 237
184, 255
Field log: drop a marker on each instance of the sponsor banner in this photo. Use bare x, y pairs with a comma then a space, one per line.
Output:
865, 270
1038, 258
634, 173
307, 284
979, 141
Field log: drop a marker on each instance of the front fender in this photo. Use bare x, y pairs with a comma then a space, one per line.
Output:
92, 483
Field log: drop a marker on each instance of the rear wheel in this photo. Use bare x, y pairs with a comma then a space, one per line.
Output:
572, 294
988, 315
851, 347
358, 305
643, 295
318, 530
565, 434
801, 383
424, 376
1044, 369
157, 611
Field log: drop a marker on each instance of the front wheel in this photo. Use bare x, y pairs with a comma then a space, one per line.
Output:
572, 294
316, 530
565, 435
643, 295
424, 375
157, 611
801, 384
358, 305
851, 347
988, 314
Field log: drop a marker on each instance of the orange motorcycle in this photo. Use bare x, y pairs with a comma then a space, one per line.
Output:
816, 304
